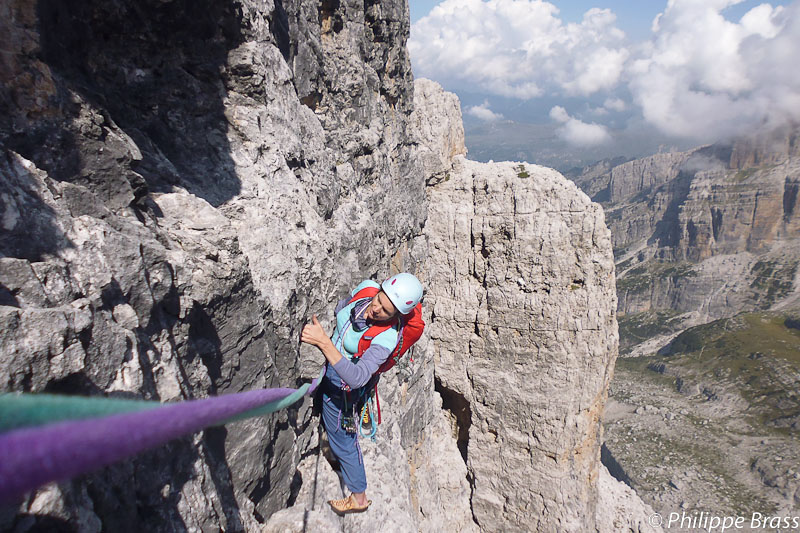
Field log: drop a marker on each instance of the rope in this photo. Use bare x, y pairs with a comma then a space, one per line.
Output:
97, 432
25, 410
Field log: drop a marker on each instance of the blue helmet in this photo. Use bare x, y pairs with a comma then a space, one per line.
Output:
404, 290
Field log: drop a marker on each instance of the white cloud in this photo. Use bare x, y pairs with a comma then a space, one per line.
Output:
576, 132
559, 114
483, 112
517, 48
760, 21
615, 104
700, 76
598, 70
706, 77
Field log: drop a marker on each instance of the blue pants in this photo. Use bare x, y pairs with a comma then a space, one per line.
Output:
344, 446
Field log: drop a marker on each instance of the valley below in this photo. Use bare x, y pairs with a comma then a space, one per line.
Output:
704, 407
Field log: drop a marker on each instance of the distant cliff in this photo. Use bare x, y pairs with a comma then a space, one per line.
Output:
185, 183
712, 230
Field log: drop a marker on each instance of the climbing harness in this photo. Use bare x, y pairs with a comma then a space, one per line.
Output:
46, 438
350, 418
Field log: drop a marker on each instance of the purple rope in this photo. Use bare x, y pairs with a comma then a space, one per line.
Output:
33, 456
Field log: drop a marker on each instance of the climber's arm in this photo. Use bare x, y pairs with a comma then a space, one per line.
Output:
357, 375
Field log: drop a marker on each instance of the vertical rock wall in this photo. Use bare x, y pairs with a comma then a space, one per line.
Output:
524, 339
417, 478
183, 184
710, 231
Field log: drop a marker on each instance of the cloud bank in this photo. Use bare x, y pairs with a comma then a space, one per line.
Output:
483, 112
576, 132
704, 76
517, 48
700, 76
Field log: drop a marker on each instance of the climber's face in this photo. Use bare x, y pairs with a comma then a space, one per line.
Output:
380, 308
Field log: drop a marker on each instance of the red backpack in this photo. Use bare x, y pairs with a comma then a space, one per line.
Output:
410, 330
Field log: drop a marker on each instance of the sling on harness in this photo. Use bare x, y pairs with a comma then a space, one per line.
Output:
368, 420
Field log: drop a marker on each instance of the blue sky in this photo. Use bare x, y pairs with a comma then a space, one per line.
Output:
634, 18
598, 71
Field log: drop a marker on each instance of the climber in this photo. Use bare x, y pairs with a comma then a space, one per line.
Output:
391, 316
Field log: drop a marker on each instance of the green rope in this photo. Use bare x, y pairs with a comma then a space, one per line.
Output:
277, 405
25, 410
28, 410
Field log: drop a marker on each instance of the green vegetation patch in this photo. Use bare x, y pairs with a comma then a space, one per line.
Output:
641, 368
640, 279
639, 327
746, 173
522, 172
756, 354
743, 174
625, 264
749, 333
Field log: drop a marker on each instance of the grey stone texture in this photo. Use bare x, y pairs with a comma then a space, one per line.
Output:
438, 129
620, 508
524, 338
185, 183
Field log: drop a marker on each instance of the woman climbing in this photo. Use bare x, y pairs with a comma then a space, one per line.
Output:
373, 328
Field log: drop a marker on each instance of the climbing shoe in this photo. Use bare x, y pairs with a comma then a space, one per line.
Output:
348, 505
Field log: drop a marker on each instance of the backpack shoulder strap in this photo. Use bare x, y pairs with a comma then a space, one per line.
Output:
370, 334
366, 292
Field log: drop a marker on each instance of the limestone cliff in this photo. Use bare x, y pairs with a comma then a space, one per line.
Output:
520, 308
711, 231
523, 333
185, 183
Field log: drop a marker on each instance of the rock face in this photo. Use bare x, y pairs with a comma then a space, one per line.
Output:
520, 304
438, 128
185, 183
522, 288
417, 477
619, 508
702, 231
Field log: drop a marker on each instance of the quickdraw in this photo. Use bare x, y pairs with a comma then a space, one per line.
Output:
368, 420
